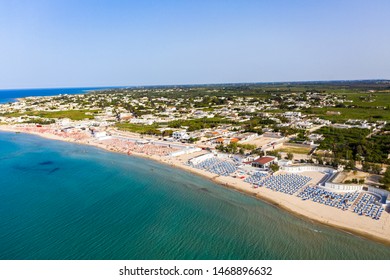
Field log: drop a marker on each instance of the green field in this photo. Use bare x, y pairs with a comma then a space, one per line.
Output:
365, 99
370, 114
138, 128
294, 150
196, 124
71, 114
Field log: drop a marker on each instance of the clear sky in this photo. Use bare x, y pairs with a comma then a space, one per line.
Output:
116, 42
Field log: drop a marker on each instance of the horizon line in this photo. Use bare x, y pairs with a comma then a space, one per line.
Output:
200, 84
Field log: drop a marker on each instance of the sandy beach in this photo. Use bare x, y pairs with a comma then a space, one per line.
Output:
378, 230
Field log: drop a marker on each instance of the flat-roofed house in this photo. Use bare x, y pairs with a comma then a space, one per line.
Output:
180, 135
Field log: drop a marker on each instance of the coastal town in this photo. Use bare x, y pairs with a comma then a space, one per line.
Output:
194, 139
321, 154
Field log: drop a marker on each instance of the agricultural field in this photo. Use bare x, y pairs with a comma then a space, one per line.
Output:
369, 114
368, 99
294, 150
76, 115
138, 128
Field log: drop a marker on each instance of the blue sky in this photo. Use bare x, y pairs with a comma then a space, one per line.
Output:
108, 43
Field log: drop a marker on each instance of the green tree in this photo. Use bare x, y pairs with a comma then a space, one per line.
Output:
275, 154
376, 168
220, 148
232, 148
366, 167
350, 165
193, 140
274, 167
386, 178
290, 156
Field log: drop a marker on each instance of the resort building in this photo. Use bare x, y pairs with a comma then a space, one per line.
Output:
264, 162
180, 135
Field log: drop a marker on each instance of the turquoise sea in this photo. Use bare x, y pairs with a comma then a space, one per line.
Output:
10, 95
66, 201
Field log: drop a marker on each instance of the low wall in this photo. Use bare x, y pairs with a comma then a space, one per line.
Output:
343, 187
381, 194
201, 158
303, 168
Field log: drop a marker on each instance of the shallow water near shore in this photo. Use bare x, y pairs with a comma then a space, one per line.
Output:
66, 201
11, 95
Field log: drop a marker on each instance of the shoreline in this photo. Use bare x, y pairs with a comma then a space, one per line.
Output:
293, 212
293, 205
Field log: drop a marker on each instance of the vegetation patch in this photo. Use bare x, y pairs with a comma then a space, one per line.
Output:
369, 114
197, 124
353, 144
294, 150
139, 128
76, 115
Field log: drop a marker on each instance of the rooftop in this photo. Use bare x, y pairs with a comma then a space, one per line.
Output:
264, 160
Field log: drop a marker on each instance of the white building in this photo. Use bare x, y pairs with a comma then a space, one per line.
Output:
315, 137
292, 114
180, 135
